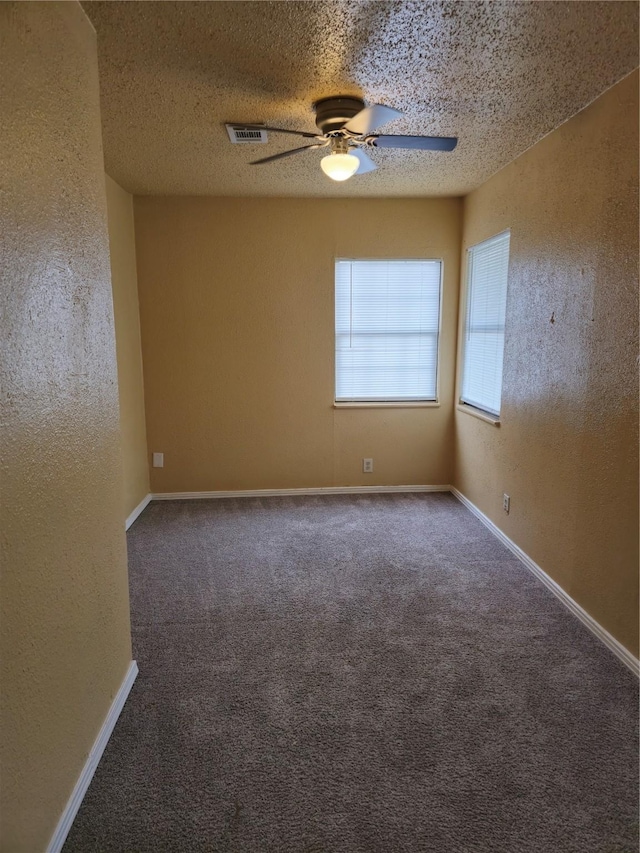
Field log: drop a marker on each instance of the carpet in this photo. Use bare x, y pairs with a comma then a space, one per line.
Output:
357, 674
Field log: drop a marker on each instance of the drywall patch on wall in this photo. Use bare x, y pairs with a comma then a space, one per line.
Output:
567, 448
64, 628
124, 282
237, 319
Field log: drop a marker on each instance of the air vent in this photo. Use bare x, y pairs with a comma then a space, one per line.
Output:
239, 133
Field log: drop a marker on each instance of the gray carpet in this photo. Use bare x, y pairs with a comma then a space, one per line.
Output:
363, 674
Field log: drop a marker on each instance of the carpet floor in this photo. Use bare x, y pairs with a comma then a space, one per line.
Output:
357, 674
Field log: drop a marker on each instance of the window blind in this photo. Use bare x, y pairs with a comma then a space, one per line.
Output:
387, 323
483, 344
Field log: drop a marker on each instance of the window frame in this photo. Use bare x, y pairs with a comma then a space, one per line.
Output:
408, 403
462, 405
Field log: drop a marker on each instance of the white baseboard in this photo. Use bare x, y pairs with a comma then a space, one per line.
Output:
144, 503
603, 635
77, 795
268, 493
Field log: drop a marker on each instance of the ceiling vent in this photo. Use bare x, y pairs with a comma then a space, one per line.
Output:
239, 133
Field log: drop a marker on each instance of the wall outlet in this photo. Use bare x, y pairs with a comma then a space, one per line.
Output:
158, 460
506, 503
367, 466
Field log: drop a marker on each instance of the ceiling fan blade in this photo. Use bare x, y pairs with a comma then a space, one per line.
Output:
423, 143
369, 118
285, 154
366, 163
279, 130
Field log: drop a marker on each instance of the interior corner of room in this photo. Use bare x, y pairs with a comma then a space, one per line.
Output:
201, 328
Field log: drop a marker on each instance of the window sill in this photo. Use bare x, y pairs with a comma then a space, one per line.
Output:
476, 413
408, 404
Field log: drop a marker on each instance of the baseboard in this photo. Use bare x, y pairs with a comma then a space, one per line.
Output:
144, 503
77, 795
268, 493
603, 635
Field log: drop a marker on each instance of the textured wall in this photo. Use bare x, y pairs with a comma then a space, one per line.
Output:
64, 631
236, 301
566, 450
122, 248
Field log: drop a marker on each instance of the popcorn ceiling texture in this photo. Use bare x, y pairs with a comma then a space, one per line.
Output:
498, 75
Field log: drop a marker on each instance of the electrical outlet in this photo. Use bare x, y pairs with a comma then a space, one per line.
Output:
367, 466
506, 503
158, 460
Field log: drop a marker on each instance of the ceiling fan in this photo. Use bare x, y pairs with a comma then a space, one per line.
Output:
346, 127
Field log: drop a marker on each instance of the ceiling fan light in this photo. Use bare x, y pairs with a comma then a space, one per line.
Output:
339, 167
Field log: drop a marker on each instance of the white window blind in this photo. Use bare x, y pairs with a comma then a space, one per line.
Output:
483, 344
387, 322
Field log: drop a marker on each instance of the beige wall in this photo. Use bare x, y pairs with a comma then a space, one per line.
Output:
566, 451
122, 249
236, 301
64, 629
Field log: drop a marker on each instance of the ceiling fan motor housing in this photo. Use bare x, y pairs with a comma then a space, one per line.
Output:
333, 113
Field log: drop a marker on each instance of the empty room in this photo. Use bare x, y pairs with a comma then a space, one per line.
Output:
319, 481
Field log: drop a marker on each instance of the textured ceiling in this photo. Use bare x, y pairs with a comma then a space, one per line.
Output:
498, 75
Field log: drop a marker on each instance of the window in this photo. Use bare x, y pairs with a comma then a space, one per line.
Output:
387, 322
483, 344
